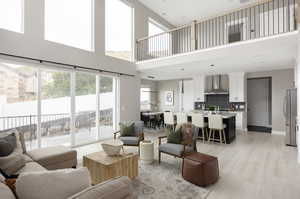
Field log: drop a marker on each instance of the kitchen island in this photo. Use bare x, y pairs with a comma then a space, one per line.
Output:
229, 120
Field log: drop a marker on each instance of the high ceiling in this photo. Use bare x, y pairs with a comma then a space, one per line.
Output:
272, 53
181, 12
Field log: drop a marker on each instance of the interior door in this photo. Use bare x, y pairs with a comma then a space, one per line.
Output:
259, 102
188, 97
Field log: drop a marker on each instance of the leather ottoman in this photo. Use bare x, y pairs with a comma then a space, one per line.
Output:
200, 169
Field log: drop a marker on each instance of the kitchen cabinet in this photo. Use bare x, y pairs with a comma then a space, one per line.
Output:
240, 120
199, 88
237, 87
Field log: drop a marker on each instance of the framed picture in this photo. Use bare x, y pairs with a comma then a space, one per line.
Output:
169, 98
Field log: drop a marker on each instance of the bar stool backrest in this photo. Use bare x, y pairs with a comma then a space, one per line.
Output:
198, 120
169, 118
181, 118
215, 122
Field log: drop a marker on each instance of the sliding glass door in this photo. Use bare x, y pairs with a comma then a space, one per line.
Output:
53, 106
18, 101
85, 105
106, 106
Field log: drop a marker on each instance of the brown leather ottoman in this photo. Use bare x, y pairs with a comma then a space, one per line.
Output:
200, 169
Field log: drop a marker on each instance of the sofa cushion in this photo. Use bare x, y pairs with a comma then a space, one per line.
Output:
12, 163
50, 156
30, 167
130, 140
174, 149
117, 188
47, 184
5, 192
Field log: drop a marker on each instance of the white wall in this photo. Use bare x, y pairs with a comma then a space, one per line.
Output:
297, 83
32, 44
281, 80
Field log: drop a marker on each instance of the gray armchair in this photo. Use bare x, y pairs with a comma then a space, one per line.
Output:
132, 140
188, 144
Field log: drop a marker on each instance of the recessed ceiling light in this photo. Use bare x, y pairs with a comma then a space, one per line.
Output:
151, 77
163, 14
212, 65
182, 69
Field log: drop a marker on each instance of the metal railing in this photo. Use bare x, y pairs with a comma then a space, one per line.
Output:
53, 124
263, 19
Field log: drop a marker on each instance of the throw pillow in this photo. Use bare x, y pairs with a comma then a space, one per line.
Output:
10, 164
20, 143
127, 130
175, 137
5, 148
187, 133
58, 184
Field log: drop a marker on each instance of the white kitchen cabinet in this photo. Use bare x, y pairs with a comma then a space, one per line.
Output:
199, 88
237, 87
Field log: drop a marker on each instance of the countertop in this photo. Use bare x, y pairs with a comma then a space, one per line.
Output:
225, 115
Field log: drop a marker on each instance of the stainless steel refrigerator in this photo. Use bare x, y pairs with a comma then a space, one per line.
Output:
290, 113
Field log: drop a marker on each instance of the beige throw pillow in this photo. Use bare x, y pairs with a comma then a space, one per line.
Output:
12, 163
58, 184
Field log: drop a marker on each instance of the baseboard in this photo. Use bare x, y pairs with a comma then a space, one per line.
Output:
278, 132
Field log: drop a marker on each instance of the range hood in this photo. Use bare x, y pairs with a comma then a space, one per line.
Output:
216, 87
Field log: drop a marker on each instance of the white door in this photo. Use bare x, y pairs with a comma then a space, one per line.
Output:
259, 102
188, 96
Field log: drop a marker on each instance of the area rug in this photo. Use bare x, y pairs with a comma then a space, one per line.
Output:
164, 181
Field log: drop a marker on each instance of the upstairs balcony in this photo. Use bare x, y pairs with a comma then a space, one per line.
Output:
263, 19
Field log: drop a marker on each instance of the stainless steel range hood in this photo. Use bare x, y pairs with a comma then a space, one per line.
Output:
216, 86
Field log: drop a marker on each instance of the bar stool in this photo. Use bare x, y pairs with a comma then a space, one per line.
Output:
181, 118
169, 120
215, 123
198, 122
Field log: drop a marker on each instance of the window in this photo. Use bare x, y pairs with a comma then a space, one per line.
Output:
70, 22
18, 101
118, 29
12, 15
155, 28
85, 122
52, 106
145, 99
107, 106
55, 108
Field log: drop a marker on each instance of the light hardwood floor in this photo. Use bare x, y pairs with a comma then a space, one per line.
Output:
255, 165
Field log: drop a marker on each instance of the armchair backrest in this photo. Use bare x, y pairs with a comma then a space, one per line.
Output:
138, 126
189, 134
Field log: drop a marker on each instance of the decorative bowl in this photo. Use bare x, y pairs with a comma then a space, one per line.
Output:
112, 148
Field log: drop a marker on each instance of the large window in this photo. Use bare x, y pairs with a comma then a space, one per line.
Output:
85, 103
118, 29
55, 108
11, 15
52, 106
18, 101
70, 22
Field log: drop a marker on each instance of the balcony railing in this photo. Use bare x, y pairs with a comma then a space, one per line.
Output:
263, 19
54, 124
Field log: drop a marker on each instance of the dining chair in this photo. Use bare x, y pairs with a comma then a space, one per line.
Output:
181, 118
169, 120
215, 123
199, 123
